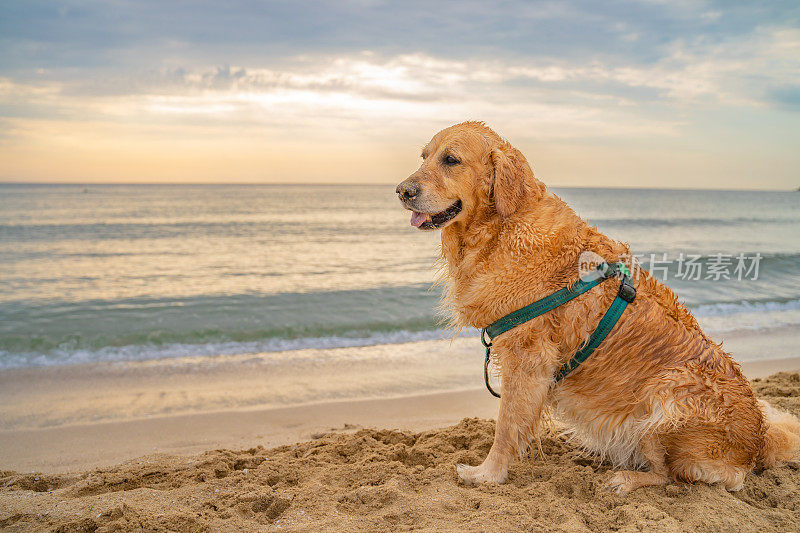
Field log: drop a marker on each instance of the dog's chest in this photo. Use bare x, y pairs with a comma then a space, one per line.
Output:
614, 436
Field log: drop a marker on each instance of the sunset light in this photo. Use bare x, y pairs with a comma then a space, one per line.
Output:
712, 102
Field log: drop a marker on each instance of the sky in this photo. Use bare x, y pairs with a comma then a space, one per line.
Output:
644, 93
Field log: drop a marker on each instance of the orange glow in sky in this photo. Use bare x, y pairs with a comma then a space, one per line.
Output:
714, 107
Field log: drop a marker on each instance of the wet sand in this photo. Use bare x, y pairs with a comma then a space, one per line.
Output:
59, 419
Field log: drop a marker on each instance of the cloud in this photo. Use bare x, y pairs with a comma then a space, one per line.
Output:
786, 96
329, 73
572, 96
96, 34
356, 92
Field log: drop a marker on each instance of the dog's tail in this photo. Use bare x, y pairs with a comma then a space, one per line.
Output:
782, 439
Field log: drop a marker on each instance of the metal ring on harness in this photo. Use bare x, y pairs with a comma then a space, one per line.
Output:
486, 364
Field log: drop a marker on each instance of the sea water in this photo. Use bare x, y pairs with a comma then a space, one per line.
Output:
92, 273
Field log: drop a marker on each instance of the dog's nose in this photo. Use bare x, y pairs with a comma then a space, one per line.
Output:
407, 190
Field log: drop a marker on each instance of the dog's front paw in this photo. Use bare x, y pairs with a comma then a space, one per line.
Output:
472, 475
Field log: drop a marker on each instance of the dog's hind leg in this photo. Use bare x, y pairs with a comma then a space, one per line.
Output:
705, 452
625, 481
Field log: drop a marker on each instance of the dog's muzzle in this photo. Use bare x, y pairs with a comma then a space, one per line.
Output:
428, 221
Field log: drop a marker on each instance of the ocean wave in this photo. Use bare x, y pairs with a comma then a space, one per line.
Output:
733, 308
782, 257
161, 228
271, 339
690, 221
714, 318
143, 352
747, 316
775, 264
57, 231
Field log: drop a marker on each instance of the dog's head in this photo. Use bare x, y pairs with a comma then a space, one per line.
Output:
467, 169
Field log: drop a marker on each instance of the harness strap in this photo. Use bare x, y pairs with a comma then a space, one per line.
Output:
605, 326
603, 272
626, 294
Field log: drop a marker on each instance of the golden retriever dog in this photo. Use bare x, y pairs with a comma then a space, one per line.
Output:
658, 398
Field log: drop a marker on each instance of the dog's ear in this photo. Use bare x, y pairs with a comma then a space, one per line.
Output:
512, 180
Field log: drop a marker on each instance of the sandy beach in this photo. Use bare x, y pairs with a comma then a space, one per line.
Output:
372, 464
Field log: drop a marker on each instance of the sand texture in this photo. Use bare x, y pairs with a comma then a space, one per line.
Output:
386, 480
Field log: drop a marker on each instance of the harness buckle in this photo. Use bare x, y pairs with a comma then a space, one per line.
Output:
483, 338
626, 289
610, 270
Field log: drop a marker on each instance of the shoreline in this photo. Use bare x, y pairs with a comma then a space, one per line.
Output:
99, 392
73, 447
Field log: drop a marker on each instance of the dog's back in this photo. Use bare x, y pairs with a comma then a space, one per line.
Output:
656, 392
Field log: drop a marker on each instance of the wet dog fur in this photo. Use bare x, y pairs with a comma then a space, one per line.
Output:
658, 398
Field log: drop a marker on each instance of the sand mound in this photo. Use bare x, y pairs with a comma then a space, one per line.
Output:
373, 480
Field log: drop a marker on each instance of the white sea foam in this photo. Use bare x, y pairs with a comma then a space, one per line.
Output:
747, 316
717, 318
179, 350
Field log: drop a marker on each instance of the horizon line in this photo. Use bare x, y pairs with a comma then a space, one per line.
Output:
327, 184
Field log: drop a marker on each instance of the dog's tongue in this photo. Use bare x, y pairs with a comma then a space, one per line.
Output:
418, 219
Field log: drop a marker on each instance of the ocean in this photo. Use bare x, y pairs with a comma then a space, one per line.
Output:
125, 273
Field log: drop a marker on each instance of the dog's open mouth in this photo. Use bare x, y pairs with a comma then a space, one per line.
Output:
435, 221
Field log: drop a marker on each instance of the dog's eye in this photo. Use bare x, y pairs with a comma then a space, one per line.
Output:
450, 160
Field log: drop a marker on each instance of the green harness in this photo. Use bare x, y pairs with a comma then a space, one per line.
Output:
626, 294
